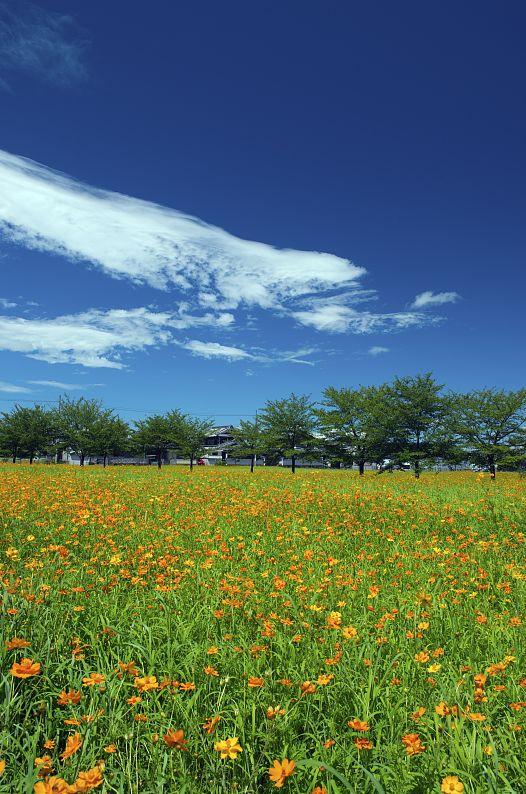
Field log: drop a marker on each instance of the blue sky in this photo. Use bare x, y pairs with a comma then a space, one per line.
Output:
208, 205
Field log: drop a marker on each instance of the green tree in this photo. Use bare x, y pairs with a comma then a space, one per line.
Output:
491, 425
155, 434
353, 423
26, 431
190, 434
111, 437
416, 412
77, 422
251, 440
289, 425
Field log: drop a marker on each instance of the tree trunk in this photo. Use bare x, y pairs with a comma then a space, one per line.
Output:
492, 467
159, 461
82, 457
14, 457
104, 461
31, 457
293, 460
417, 469
361, 467
191, 462
252, 462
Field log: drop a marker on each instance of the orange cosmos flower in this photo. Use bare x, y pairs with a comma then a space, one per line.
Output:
73, 744
93, 679
334, 621
175, 739
319, 790
134, 700
349, 633
110, 748
72, 696
16, 643
2, 766
210, 725
128, 668
413, 744
45, 765
274, 711
307, 688
418, 714
86, 781
53, 785
228, 748
146, 683
421, 657
280, 771
452, 785
189, 686
26, 668
324, 679
254, 682
358, 725
209, 670
363, 744
328, 744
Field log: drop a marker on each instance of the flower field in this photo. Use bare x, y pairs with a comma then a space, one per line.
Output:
215, 631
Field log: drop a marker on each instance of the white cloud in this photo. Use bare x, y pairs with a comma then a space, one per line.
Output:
92, 338
10, 388
56, 384
215, 350
40, 42
429, 298
5, 303
155, 245
335, 317
377, 350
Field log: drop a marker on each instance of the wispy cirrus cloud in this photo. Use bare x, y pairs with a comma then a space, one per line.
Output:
213, 350
377, 350
57, 384
150, 244
11, 388
96, 338
93, 338
334, 317
429, 298
46, 44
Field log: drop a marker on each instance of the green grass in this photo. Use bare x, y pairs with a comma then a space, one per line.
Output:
134, 564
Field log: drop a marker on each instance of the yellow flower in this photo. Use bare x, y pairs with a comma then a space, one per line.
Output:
228, 748
452, 785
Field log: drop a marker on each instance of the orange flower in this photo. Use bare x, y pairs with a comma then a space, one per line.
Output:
16, 643
358, 725
421, 657
210, 725
110, 748
334, 621
254, 682
349, 633
416, 715
45, 765
307, 688
134, 700
228, 748
128, 668
86, 781
26, 668
93, 679
73, 744
319, 790
53, 785
146, 683
413, 744
72, 696
328, 743
363, 744
324, 679
274, 711
209, 670
280, 771
189, 686
452, 785
175, 739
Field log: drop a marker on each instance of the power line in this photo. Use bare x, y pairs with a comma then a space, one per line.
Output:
114, 408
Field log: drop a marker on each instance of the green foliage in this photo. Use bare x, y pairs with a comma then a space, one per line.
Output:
27, 431
491, 425
289, 426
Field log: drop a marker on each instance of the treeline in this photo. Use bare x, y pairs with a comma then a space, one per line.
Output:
408, 421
